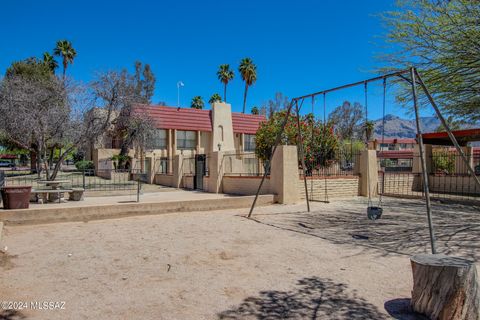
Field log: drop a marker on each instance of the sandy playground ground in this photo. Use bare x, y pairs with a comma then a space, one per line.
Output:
331, 263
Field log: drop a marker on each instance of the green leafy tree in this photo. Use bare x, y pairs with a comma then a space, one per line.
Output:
225, 75
441, 38
30, 68
254, 110
215, 98
65, 50
50, 62
144, 80
248, 72
320, 144
197, 103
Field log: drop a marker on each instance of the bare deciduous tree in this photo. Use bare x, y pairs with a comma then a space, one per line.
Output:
347, 119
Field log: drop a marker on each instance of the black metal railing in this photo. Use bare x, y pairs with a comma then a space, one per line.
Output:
341, 164
90, 180
243, 164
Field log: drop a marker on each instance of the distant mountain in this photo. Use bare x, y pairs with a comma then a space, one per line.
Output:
396, 127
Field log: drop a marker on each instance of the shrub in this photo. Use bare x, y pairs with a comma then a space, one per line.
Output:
84, 165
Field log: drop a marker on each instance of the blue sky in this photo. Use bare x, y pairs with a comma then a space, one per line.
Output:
298, 46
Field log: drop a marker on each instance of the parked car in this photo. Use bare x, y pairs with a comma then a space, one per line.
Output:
6, 164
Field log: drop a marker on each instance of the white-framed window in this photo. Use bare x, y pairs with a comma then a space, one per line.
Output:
186, 140
249, 142
159, 139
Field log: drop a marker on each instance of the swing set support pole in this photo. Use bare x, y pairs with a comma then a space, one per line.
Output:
302, 156
424, 164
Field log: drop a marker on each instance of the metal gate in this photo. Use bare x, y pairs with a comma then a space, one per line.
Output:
200, 171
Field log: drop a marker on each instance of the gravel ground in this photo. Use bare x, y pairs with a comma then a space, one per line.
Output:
285, 263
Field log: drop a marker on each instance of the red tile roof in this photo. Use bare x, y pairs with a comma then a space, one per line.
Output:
246, 123
197, 120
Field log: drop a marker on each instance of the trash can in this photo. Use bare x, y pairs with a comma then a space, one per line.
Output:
17, 197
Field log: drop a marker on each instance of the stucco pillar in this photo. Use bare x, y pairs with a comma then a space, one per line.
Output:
150, 170
170, 152
460, 166
215, 172
368, 173
284, 175
177, 170
417, 161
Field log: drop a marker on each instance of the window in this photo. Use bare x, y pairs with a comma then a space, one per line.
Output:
249, 142
159, 139
186, 140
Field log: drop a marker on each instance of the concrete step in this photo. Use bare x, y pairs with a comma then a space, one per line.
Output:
118, 210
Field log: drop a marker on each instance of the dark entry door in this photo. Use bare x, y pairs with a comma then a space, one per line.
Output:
200, 160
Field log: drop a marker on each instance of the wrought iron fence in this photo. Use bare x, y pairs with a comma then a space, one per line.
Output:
448, 179
90, 180
188, 166
341, 164
243, 164
163, 165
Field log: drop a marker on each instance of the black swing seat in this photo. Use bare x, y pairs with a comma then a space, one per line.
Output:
374, 213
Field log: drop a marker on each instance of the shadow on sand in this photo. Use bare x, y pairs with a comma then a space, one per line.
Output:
313, 298
11, 315
400, 309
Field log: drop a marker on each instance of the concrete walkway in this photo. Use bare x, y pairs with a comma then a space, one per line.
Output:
153, 197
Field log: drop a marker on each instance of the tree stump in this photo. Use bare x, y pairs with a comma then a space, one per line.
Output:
445, 287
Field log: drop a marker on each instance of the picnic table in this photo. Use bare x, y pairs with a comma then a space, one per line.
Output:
54, 184
56, 190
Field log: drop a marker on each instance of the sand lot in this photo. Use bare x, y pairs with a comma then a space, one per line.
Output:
331, 263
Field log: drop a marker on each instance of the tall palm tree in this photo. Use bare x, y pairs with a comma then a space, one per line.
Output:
197, 103
50, 61
248, 71
225, 75
65, 50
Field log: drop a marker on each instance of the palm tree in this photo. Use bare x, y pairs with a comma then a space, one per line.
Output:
248, 71
197, 103
215, 98
50, 61
65, 50
225, 75
369, 127
254, 110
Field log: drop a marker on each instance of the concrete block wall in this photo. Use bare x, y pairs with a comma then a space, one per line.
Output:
336, 188
245, 185
164, 180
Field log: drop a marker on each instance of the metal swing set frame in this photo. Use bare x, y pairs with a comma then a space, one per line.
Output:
410, 75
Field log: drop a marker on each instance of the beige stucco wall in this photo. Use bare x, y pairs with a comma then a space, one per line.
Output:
368, 173
164, 180
222, 127
284, 174
245, 185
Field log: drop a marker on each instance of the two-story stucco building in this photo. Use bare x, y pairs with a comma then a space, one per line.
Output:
184, 131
